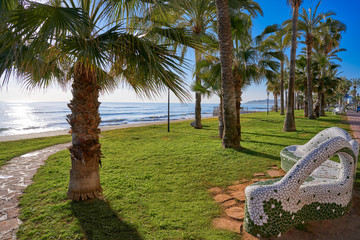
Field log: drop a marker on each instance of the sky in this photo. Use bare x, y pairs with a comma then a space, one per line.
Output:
275, 12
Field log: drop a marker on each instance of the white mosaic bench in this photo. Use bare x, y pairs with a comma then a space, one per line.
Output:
315, 188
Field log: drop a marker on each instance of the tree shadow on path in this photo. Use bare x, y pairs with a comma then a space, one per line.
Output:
99, 221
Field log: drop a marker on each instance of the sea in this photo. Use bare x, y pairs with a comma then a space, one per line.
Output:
34, 117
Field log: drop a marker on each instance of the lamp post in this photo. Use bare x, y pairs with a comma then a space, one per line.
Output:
168, 110
267, 108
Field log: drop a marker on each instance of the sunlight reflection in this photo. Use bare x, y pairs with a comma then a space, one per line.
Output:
22, 119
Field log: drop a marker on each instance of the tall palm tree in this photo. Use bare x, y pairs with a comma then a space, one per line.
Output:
274, 87
302, 80
327, 44
231, 136
289, 124
209, 70
197, 16
309, 25
78, 42
280, 42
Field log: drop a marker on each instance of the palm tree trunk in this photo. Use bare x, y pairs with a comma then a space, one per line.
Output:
317, 105
322, 104
309, 40
237, 102
197, 123
289, 124
306, 105
221, 118
275, 102
282, 89
286, 98
297, 100
85, 151
231, 137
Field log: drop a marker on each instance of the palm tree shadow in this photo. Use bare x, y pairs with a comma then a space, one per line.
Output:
258, 154
99, 221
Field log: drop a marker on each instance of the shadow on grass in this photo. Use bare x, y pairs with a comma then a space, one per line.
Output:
268, 143
258, 154
270, 135
99, 221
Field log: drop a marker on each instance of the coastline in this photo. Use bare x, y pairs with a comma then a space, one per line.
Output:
104, 128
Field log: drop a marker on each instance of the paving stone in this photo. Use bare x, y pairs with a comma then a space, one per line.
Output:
235, 212
248, 236
274, 167
230, 225
240, 195
276, 173
239, 187
259, 174
8, 225
3, 192
12, 212
7, 236
229, 203
215, 190
222, 198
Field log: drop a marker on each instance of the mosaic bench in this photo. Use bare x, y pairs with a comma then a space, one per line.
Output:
290, 155
305, 193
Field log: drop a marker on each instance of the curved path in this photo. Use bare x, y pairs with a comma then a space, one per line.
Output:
15, 176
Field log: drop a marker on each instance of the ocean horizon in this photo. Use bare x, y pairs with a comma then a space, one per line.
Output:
35, 117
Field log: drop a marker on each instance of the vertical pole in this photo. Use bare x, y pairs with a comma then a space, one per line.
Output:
168, 110
267, 108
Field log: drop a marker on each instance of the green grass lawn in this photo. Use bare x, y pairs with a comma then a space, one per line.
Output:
13, 149
155, 183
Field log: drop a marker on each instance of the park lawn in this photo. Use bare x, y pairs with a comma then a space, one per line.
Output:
156, 183
13, 149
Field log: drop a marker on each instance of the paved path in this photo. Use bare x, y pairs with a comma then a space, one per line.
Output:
15, 176
354, 121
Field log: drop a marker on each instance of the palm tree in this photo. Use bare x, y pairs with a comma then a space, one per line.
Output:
355, 82
274, 87
302, 80
327, 45
74, 43
289, 124
341, 90
231, 135
280, 42
309, 25
197, 16
209, 70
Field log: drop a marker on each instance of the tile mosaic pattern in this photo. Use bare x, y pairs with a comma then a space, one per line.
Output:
314, 188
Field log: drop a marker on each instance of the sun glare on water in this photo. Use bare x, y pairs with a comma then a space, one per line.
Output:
22, 119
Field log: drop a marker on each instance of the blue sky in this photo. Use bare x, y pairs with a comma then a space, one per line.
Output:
275, 11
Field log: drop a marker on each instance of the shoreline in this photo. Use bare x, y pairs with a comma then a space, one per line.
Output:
9, 138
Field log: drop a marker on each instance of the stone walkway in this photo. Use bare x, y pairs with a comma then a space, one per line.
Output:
15, 176
232, 201
354, 121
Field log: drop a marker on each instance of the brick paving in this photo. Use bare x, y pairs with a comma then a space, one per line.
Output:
15, 176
